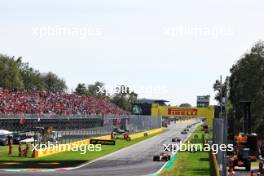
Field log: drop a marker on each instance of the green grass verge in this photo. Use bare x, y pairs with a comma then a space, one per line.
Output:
190, 164
70, 156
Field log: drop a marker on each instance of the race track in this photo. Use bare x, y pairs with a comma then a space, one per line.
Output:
132, 161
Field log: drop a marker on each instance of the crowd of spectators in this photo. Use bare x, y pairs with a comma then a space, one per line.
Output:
59, 103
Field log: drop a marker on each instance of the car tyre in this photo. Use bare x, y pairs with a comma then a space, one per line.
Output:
155, 158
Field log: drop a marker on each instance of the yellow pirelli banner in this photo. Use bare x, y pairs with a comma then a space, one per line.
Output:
173, 111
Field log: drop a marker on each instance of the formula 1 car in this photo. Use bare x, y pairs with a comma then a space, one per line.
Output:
118, 131
175, 139
184, 132
162, 157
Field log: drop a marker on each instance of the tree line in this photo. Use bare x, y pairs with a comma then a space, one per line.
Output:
245, 83
18, 75
122, 96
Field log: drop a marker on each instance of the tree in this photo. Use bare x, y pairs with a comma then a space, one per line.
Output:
53, 83
17, 75
247, 83
124, 98
221, 90
10, 77
185, 105
31, 78
81, 89
97, 89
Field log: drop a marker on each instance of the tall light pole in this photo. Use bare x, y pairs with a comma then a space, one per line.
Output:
226, 123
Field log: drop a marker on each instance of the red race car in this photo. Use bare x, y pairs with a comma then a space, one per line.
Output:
163, 156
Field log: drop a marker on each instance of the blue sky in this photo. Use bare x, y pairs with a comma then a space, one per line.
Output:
180, 45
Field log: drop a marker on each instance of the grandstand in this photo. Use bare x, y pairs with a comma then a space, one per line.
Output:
58, 103
70, 116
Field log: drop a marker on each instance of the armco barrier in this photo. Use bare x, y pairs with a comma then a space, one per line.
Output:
66, 147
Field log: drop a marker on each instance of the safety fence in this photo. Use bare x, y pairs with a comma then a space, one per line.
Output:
67, 129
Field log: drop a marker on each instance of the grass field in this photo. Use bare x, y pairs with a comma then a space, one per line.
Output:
190, 164
65, 158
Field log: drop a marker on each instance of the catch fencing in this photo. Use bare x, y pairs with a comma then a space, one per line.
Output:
66, 129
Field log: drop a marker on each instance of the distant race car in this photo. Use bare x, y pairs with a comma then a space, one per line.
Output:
186, 129
118, 131
184, 132
175, 139
165, 124
162, 157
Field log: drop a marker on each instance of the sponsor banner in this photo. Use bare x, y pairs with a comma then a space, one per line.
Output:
182, 112
173, 111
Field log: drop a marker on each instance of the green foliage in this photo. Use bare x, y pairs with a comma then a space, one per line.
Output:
246, 83
190, 164
97, 89
10, 77
53, 83
31, 78
185, 105
124, 99
81, 89
17, 75
221, 90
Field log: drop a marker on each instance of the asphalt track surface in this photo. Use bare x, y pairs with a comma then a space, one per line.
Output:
131, 161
